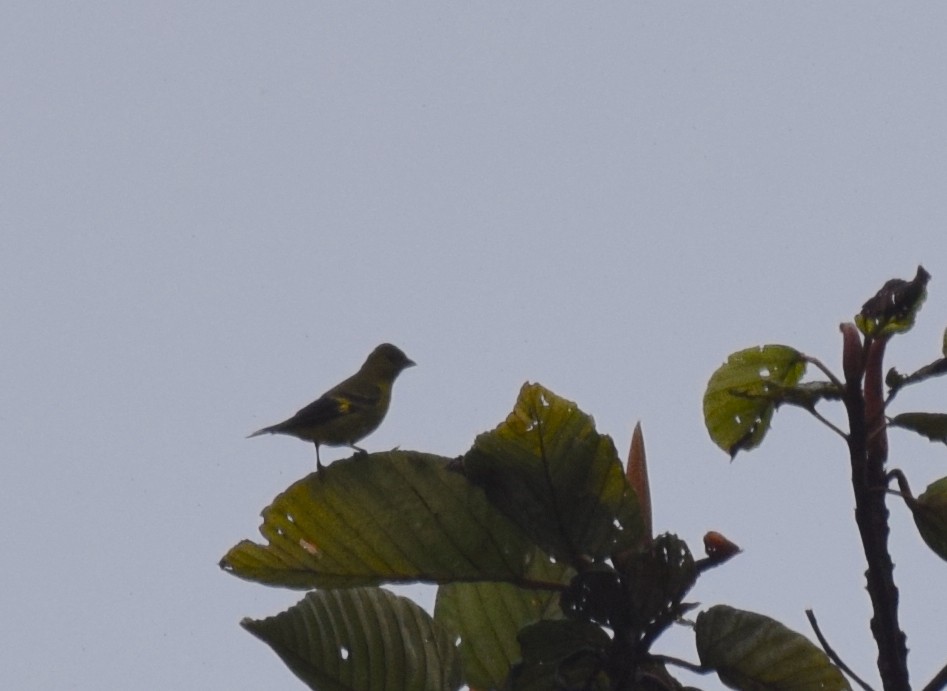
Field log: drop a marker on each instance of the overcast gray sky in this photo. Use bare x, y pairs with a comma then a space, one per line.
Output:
211, 212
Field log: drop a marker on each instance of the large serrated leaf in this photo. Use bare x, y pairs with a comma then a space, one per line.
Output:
487, 617
752, 652
893, 309
390, 517
361, 638
930, 516
931, 425
744, 392
562, 655
556, 478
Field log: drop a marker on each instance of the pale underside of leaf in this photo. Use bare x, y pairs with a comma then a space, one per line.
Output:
753, 652
362, 638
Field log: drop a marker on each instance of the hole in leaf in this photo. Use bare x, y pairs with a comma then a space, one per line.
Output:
343, 652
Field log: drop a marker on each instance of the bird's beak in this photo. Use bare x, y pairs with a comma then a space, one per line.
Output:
410, 363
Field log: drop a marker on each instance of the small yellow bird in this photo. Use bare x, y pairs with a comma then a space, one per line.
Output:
350, 411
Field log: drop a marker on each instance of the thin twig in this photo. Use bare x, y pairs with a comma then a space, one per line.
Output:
938, 682
904, 490
668, 660
828, 423
832, 654
934, 369
837, 382
896, 474
825, 370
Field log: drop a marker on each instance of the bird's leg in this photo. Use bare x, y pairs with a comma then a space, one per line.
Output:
318, 462
358, 449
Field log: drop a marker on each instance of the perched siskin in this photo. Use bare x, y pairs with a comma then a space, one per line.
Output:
350, 411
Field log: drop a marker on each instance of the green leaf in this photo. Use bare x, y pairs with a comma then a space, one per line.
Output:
931, 425
389, 517
487, 617
562, 655
930, 516
744, 392
752, 652
893, 308
361, 638
554, 476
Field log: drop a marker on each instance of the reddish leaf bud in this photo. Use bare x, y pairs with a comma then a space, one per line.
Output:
852, 353
718, 548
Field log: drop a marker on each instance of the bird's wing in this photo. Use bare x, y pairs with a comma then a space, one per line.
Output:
337, 403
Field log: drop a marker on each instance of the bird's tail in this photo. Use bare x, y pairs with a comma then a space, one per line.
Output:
265, 430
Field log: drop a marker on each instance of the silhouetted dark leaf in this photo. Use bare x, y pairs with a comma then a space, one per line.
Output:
598, 594
562, 655
931, 425
554, 476
895, 380
893, 308
930, 516
658, 579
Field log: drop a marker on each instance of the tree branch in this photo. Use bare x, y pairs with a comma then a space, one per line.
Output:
868, 453
825, 370
828, 423
684, 664
832, 654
